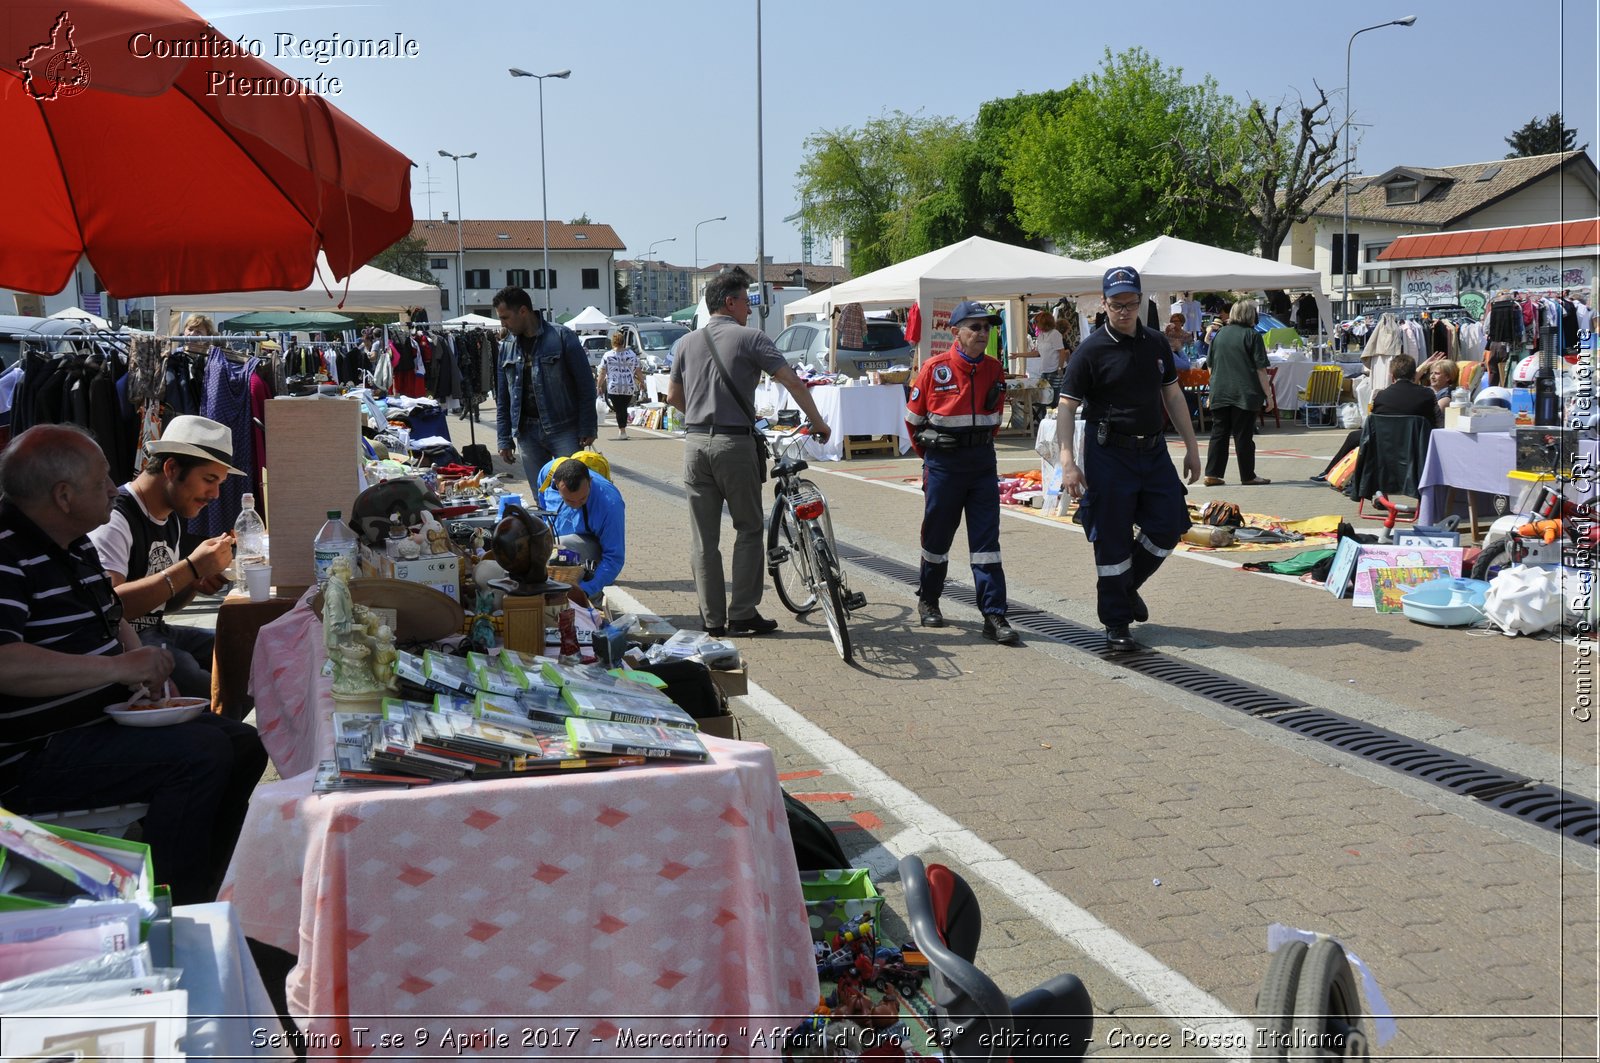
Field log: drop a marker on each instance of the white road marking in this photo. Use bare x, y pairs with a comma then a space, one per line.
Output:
1165, 989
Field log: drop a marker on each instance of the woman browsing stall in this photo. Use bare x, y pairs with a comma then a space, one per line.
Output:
1239, 391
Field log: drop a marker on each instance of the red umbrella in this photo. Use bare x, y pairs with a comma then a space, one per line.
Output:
140, 135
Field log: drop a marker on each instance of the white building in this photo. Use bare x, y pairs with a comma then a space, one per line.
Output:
1412, 200
501, 253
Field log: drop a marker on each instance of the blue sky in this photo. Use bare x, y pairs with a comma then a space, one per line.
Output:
655, 129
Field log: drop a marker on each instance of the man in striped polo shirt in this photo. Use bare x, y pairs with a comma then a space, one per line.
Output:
66, 654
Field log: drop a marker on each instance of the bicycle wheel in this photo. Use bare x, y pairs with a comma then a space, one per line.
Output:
830, 593
787, 560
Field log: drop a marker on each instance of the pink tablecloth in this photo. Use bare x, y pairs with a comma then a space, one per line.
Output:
580, 908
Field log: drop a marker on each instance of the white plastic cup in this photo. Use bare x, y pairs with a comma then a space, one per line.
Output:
259, 579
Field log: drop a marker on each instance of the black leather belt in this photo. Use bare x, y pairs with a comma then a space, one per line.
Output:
1130, 442
717, 429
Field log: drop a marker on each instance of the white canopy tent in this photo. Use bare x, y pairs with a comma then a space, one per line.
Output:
1168, 266
73, 313
974, 268
590, 319
471, 321
371, 291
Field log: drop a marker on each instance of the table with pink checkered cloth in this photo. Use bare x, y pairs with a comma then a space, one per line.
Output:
661, 899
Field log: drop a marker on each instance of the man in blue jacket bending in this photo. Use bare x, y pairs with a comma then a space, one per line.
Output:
590, 519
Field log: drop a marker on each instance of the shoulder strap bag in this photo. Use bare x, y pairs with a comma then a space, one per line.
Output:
763, 453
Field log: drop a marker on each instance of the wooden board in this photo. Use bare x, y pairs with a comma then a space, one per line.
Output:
313, 448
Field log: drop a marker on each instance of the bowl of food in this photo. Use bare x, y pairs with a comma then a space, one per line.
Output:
157, 712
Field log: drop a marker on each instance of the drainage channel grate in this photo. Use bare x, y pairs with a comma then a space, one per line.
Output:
1539, 804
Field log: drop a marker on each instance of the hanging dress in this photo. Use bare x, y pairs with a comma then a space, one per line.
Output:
227, 401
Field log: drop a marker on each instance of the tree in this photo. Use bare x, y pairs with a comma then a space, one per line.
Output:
972, 198
1263, 172
624, 296
867, 183
1545, 137
1099, 173
582, 219
407, 257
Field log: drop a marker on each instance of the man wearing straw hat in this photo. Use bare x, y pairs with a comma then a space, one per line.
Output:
154, 566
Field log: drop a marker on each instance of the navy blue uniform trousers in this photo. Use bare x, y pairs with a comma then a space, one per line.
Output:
956, 483
1128, 487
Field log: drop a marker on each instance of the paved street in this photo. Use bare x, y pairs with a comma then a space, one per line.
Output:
1143, 837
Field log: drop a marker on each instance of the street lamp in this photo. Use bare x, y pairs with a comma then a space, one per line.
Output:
697, 239
1344, 245
461, 247
544, 208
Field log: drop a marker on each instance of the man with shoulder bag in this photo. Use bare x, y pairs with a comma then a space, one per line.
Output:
713, 382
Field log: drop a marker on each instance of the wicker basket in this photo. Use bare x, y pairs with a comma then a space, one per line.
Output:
897, 376
565, 573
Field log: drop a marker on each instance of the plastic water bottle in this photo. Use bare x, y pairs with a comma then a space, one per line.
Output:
332, 542
249, 536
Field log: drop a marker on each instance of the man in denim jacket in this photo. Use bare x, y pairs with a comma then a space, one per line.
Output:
543, 387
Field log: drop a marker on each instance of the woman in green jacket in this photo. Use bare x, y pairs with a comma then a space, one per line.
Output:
1240, 390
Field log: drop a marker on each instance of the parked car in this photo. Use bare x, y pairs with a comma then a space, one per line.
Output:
806, 343
595, 347
39, 330
652, 341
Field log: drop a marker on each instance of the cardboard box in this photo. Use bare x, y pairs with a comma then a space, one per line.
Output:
313, 465
733, 682
1483, 419
48, 886
1539, 447
724, 726
442, 572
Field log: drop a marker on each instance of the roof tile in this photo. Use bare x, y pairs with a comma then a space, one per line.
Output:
1460, 195
1584, 232
521, 235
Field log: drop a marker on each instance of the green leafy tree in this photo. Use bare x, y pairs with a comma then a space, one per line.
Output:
624, 296
1101, 172
972, 198
582, 219
1260, 169
407, 257
1545, 136
868, 183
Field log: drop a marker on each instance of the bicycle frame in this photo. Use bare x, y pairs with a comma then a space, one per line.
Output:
801, 554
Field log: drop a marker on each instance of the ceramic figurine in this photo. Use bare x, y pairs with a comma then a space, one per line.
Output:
384, 656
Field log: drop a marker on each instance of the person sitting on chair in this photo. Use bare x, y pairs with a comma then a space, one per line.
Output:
67, 654
1405, 396
590, 518
155, 567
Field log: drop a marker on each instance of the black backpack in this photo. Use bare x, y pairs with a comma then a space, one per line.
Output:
816, 848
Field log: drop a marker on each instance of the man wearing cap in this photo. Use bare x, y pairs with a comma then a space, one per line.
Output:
953, 415
154, 567
1122, 376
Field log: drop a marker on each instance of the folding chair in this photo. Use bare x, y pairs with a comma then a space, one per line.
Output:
1394, 448
1277, 419
1322, 392
1053, 1021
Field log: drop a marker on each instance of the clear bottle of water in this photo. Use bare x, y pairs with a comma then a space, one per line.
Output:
335, 540
249, 536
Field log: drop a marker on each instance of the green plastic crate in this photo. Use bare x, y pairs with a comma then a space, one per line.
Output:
835, 899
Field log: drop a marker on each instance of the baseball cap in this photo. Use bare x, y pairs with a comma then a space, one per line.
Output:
1119, 280
967, 310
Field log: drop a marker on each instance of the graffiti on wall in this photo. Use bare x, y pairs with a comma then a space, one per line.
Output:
1442, 284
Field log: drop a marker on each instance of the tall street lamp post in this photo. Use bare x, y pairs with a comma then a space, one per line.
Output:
544, 208
697, 238
1344, 238
461, 246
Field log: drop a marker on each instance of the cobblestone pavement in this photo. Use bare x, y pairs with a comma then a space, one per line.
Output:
1145, 838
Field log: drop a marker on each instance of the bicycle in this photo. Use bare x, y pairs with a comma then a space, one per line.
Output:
801, 554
